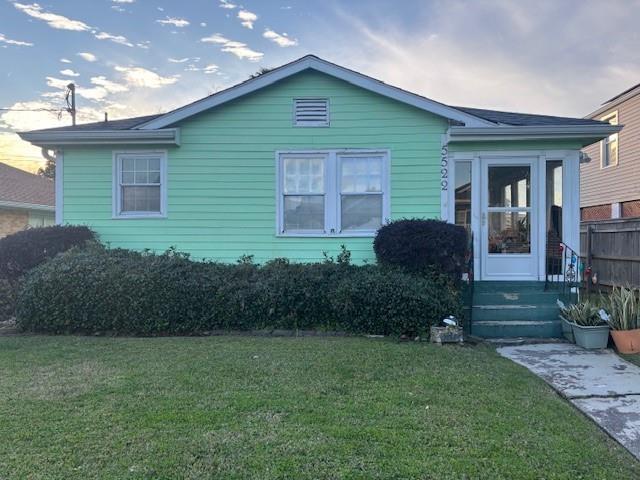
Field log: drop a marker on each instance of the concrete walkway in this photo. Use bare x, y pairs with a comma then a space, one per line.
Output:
598, 382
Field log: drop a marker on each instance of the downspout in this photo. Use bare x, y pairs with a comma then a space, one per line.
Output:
57, 158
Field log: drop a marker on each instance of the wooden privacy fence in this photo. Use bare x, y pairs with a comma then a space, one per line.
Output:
612, 248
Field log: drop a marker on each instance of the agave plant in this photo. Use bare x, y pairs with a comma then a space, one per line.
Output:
585, 314
623, 307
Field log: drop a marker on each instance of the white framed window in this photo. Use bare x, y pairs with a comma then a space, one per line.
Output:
140, 184
609, 146
332, 192
311, 112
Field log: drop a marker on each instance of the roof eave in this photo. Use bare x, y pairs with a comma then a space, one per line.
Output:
614, 102
588, 133
166, 136
314, 63
26, 206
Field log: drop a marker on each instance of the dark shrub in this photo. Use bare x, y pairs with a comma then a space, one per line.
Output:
24, 250
422, 245
95, 290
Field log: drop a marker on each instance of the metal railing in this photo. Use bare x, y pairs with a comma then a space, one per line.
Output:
468, 297
565, 272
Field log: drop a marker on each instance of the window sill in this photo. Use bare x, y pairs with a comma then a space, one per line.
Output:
327, 235
138, 216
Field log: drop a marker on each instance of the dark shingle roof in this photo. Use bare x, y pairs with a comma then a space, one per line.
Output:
124, 124
526, 119
23, 187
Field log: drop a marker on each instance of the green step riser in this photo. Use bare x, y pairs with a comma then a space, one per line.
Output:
514, 287
543, 299
539, 313
551, 330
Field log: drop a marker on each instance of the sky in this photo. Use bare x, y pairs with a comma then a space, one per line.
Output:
137, 57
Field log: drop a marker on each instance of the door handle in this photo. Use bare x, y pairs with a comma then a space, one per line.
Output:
484, 219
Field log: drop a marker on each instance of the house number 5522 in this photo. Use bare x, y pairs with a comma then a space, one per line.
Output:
444, 167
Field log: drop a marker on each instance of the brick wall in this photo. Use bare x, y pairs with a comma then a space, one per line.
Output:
12, 221
596, 212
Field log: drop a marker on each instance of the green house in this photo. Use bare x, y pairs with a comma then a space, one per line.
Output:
312, 155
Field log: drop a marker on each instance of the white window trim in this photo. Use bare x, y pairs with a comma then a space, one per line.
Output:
117, 191
604, 152
332, 191
311, 124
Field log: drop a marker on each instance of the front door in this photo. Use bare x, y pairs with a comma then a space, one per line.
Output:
509, 216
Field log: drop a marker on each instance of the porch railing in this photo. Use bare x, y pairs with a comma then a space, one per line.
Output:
566, 271
468, 284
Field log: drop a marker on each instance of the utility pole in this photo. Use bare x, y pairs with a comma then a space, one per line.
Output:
71, 102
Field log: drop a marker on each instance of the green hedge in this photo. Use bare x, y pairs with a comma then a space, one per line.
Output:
97, 290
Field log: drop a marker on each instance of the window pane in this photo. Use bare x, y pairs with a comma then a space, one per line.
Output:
361, 212
303, 212
304, 175
128, 177
154, 177
141, 199
127, 164
154, 164
463, 195
142, 177
361, 174
509, 232
510, 186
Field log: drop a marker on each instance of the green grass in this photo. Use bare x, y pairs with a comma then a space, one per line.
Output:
308, 408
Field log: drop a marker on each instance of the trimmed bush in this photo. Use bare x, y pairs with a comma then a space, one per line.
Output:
97, 290
422, 245
24, 250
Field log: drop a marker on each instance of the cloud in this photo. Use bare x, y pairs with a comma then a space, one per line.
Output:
212, 68
118, 8
227, 4
203, 24
146, 44
247, 18
113, 38
238, 49
108, 85
123, 1
141, 77
176, 22
570, 68
69, 73
89, 57
281, 39
17, 43
65, 60
53, 20
178, 60
57, 82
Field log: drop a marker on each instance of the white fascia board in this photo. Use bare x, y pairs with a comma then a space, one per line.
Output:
541, 132
314, 63
26, 206
167, 136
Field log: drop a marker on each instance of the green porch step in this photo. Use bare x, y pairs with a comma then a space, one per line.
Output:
515, 312
514, 309
517, 328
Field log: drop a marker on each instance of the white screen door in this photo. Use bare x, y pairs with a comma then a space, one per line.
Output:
509, 216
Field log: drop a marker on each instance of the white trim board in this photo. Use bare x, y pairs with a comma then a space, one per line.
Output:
311, 62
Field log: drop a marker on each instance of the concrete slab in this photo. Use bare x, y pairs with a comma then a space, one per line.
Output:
576, 372
599, 383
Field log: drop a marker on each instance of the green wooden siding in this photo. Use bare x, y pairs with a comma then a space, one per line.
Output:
221, 180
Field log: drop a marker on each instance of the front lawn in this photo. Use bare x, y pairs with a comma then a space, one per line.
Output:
308, 408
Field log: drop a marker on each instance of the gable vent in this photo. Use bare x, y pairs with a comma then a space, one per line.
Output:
311, 112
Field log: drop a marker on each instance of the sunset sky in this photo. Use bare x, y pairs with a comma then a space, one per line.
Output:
134, 57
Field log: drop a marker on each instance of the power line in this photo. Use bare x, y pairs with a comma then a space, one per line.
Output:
31, 109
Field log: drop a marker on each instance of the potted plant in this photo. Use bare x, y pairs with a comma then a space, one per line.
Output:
589, 329
624, 319
567, 325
